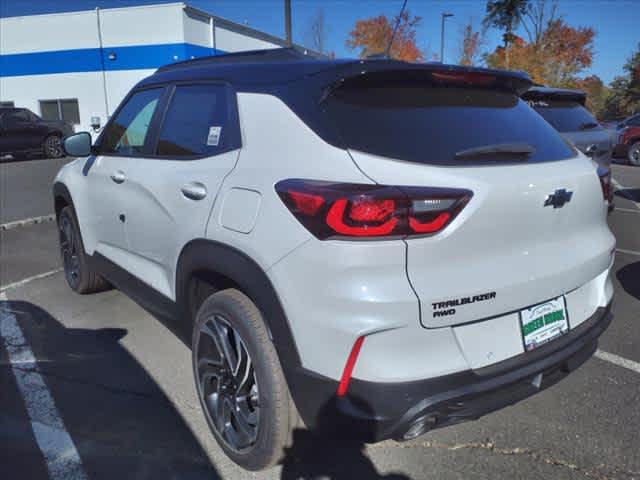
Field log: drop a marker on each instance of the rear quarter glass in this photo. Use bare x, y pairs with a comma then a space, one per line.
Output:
565, 116
430, 124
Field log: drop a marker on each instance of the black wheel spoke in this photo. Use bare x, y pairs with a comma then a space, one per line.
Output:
69, 249
227, 383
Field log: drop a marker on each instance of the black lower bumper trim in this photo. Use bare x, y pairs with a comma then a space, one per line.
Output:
376, 411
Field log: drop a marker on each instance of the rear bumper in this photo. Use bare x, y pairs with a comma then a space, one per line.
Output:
376, 411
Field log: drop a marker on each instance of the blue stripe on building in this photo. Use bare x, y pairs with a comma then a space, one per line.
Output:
92, 59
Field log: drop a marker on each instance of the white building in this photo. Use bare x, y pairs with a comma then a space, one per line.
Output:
78, 66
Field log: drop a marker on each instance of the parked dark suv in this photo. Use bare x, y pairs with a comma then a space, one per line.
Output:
565, 110
23, 133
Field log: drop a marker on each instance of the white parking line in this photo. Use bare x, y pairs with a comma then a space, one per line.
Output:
622, 187
627, 210
629, 252
24, 281
55, 443
618, 360
27, 221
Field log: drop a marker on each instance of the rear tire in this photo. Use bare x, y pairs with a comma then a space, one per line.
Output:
79, 275
52, 147
634, 154
244, 395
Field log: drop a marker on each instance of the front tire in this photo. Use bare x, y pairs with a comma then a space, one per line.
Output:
634, 154
80, 277
239, 380
52, 147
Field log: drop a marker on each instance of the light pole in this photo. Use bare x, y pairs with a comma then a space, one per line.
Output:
287, 22
444, 15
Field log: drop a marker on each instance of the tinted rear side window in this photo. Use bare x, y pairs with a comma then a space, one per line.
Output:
430, 124
566, 116
196, 123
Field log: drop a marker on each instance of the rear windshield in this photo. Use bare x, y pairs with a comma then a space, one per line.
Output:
566, 116
431, 124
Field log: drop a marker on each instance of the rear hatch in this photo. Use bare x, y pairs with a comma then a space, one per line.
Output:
505, 250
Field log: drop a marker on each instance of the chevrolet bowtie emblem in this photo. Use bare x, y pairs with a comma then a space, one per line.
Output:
558, 198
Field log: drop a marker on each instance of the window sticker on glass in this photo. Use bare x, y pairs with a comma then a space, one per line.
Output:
214, 136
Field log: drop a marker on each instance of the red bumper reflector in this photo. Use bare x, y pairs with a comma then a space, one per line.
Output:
348, 368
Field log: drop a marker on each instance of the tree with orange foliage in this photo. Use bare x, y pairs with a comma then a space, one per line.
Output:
372, 36
560, 54
470, 42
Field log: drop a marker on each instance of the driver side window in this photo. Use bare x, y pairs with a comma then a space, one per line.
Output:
128, 132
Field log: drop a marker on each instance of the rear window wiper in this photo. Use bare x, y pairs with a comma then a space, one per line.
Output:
510, 149
588, 125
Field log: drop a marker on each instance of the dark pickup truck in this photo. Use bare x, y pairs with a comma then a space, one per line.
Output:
23, 133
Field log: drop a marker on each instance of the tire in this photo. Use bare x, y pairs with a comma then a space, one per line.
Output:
77, 272
260, 427
52, 146
634, 154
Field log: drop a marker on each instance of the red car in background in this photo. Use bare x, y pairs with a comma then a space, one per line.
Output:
628, 140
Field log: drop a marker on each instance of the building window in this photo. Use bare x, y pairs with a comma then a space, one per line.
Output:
61, 109
7, 105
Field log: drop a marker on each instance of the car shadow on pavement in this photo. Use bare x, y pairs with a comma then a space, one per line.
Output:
121, 422
330, 453
629, 278
632, 194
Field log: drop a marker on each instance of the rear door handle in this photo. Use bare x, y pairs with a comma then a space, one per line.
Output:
194, 190
118, 176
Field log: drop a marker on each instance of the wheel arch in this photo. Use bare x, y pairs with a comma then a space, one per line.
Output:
61, 197
202, 258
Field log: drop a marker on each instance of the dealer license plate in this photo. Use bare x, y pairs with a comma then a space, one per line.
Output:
543, 322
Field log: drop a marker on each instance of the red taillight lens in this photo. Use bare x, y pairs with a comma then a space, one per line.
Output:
365, 220
429, 226
306, 203
604, 174
338, 210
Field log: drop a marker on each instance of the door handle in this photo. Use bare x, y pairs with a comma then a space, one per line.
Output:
118, 176
194, 190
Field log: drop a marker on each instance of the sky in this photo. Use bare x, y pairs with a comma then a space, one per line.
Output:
615, 21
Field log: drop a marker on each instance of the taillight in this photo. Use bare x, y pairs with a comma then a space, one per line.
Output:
604, 174
344, 210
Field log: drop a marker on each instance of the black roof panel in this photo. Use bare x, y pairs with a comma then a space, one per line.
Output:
283, 65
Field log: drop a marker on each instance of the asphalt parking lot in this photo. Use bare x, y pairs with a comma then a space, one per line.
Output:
109, 385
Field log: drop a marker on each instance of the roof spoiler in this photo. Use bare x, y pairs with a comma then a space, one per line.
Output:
547, 93
382, 72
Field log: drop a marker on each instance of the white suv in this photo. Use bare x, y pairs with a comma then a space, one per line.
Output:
372, 247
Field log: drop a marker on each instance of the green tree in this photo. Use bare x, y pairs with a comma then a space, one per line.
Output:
597, 95
624, 90
505, 15
632, 96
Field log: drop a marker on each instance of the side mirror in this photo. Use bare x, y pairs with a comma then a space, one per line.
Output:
591, 150
619, 126
78, 145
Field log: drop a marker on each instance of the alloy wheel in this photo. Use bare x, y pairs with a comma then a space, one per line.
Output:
53, 147
69, 249
227, 384
634, 154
